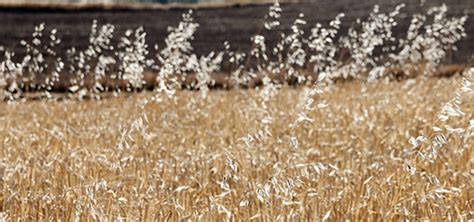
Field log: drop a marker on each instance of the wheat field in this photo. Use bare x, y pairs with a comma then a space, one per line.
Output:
242, 155
328, 125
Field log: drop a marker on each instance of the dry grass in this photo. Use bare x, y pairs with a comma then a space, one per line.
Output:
187, 158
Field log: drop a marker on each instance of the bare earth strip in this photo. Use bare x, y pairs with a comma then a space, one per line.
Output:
233, 23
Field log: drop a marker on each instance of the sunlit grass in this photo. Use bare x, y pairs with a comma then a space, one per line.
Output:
189, 157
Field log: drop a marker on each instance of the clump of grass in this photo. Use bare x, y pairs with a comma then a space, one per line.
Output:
367, 51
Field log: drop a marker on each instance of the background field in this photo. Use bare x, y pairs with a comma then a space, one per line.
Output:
235, 24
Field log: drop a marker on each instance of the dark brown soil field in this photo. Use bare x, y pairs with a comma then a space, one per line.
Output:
217, 24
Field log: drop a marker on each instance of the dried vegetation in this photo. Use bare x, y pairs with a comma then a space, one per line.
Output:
366, 149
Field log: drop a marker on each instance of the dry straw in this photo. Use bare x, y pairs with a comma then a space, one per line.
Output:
355, 150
